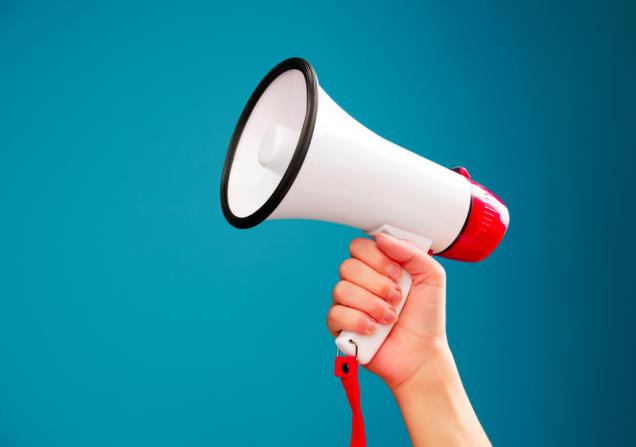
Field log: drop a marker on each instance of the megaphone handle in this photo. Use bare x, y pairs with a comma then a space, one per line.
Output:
366, 346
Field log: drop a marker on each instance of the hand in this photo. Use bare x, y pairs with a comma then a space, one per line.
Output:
367, 293
415, 360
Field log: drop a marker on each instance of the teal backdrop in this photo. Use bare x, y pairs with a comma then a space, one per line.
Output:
132, 314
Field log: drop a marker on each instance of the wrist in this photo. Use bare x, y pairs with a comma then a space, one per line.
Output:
436, 371
435, 406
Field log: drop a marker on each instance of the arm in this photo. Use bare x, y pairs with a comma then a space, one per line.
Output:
435, 406
415, 361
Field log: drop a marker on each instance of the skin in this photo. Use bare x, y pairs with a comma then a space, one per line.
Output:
415, 361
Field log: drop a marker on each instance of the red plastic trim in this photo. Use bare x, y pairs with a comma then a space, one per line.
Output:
485, 227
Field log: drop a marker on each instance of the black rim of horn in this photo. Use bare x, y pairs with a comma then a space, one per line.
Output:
300, 152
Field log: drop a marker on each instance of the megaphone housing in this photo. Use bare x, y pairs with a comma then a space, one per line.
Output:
295, 154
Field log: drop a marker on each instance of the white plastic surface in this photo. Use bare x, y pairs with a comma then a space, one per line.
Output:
368, 345
278, 114
277, 148
354, 177
349, 176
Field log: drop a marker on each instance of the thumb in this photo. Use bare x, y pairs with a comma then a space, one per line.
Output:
420, 265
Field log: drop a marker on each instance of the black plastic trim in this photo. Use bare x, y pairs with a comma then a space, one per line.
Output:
294, 63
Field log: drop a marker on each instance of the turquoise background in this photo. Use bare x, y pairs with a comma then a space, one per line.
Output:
132, 314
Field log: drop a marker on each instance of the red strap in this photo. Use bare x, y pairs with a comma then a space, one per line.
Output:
347, 370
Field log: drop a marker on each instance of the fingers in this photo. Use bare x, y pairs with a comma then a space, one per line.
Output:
368, 252
424, 313
422, 267
359, 273
342, 318
365, 297
351, 295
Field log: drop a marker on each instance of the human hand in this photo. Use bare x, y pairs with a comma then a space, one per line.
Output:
368, 292
415, 360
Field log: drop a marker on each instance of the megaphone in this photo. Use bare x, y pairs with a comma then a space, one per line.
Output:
295, 154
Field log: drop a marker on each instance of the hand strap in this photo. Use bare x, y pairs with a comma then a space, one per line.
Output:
347, 370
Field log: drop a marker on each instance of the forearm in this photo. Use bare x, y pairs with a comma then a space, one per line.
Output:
435, 406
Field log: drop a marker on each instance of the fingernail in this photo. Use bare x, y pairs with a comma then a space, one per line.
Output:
385, 235
370, 329
394, 272
395, 296
389, 316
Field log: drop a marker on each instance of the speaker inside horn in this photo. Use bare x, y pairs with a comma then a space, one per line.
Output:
269, 143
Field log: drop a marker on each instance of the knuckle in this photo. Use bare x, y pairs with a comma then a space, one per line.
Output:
386, 288
361, 324
340, 290
385, 265
355, 245
439, 274
377, 309
347, 266
332, 314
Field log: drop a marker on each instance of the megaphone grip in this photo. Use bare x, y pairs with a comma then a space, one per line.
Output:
367, 345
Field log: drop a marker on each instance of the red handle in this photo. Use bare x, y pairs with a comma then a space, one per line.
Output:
347, 370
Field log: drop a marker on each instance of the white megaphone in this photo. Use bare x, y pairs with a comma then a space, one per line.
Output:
295, 154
